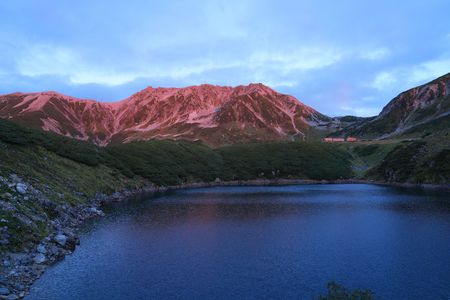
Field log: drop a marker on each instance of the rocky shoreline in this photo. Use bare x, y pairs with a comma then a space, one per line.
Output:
282, 181
19, 270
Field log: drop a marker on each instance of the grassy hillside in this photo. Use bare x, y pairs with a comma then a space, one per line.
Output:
26, 151
61, 173
175, 162
417, 161
437, 127
168, 162
58, 174
309, 160
366, 155
425, 161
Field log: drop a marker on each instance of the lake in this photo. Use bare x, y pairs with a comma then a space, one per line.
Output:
261, 242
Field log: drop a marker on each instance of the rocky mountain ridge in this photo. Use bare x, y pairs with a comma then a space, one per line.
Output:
212, 114
423, 109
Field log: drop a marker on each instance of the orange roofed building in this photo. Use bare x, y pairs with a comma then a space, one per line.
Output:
333, 140
337, 140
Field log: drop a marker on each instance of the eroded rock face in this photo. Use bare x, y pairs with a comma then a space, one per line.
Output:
212, 114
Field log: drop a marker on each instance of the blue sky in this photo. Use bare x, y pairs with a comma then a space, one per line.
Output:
341, 57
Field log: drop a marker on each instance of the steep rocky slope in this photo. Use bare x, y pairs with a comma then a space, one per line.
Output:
213, 114
419, 110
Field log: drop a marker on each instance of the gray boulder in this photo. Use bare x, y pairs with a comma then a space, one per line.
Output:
15, 178
21, 188
7, 195
41, 249
61, 239
95, 211
4, 291
39, 258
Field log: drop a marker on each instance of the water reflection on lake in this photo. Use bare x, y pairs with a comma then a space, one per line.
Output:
262, 242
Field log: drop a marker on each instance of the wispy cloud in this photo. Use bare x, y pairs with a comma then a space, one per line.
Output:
44, 60
430, 70
39, 60
301, 59
375, 54
410, 76
384, 80
310, 48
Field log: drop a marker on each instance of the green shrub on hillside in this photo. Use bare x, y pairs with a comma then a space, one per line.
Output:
167, 162
366, 150
76, 150
398, 164
176, 162
307, 160
415, 162
339, 292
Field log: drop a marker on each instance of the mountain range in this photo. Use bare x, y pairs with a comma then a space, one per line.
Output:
218, 115
212, 114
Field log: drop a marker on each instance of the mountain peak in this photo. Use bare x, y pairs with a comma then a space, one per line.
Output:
213, 114
255, 88
206, 87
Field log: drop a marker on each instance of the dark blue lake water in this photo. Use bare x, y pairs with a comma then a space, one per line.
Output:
262, 242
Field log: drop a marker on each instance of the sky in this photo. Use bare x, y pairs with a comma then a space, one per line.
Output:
346, 57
